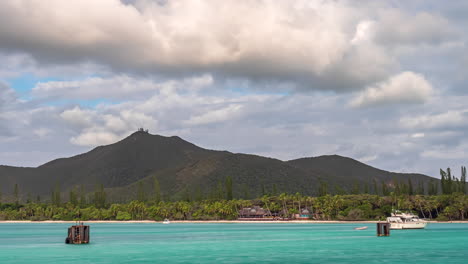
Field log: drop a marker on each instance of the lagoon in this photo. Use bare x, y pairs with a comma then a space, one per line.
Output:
232, 243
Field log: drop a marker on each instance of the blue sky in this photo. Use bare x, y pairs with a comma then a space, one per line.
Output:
383, 82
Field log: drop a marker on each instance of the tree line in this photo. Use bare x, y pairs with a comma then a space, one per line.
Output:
328, 207
360, 203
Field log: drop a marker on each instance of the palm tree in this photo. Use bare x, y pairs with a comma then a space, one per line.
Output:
298, 197
418, 202
283, 197
265, 199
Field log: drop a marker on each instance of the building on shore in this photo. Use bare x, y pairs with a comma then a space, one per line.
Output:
253, 213
304, 215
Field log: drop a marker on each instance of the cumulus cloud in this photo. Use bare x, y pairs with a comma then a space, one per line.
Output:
446, 120
106, 126
406, 87
417, 135
115, 87
78, 117
7, 95
320, 44
217, 115
396, 27
42, 132
95, 138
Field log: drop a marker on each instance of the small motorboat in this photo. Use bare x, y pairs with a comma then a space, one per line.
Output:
166, 221
360, 228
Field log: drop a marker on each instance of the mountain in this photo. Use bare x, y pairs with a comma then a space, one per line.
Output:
345, 169
183, 168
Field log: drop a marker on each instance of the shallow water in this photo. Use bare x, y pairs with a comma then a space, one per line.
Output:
233, 243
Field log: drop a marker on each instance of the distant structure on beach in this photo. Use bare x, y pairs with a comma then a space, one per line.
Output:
259, 213
304, 215
253, 213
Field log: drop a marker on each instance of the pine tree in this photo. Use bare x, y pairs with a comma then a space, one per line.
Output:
198, 194
141, 194
449, 181
323, 188
82, 196
420, 190
339, 190
245, 191
355, 189
433, 187
156, 190
443, 181
410, 187
100, 196
16, 193
219, 191
229, 188
186, 195
366, 188
376, 188
275, 190
397, 190
73, 197
385, 191
463, 180
56, 199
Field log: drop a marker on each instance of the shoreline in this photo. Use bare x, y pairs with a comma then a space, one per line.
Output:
212, 222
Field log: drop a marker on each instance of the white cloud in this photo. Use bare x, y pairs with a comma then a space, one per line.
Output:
308, 42
447, 120
406, 87
105, 125
178, 32
396, 27
78, 117
328, 45
417, 135
95, 138
7, 95
217, 115
441, 153
115, 87
42, 132
363, 32
94, 87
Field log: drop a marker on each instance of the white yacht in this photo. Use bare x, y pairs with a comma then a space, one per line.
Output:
166, 221
400, 220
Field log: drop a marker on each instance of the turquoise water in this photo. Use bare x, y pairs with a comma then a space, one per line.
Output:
233, 243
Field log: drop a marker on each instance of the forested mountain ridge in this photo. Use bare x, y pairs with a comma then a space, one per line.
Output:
184, 169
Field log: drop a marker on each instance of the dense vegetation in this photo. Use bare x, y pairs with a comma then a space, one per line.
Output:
329, 207
451, 204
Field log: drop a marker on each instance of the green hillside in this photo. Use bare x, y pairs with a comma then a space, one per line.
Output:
184, 169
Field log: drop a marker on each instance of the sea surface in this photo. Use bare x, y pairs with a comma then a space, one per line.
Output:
233, 243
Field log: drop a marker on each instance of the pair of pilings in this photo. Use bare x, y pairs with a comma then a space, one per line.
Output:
383, 229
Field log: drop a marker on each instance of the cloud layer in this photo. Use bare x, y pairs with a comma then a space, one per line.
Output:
312, 44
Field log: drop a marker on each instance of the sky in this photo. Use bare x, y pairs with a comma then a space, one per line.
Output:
383, 82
